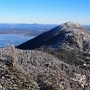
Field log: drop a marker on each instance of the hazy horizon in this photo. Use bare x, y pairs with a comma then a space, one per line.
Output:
45, 11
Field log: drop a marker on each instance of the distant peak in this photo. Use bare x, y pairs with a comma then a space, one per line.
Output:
71, 24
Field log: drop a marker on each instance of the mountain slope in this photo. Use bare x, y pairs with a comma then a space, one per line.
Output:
35, 70
70, 42
69, 34
11, 78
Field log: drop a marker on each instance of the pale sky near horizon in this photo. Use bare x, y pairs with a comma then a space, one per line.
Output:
45, 11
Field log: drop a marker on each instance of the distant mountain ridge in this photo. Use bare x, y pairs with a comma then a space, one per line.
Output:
28, 29
87, 26
26, 26
22, 26
25, 29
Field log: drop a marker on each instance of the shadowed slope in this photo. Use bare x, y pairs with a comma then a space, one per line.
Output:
66, 34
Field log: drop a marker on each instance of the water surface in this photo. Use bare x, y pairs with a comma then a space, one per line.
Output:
13, 39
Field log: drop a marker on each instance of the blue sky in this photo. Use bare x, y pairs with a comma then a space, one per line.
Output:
44, 11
